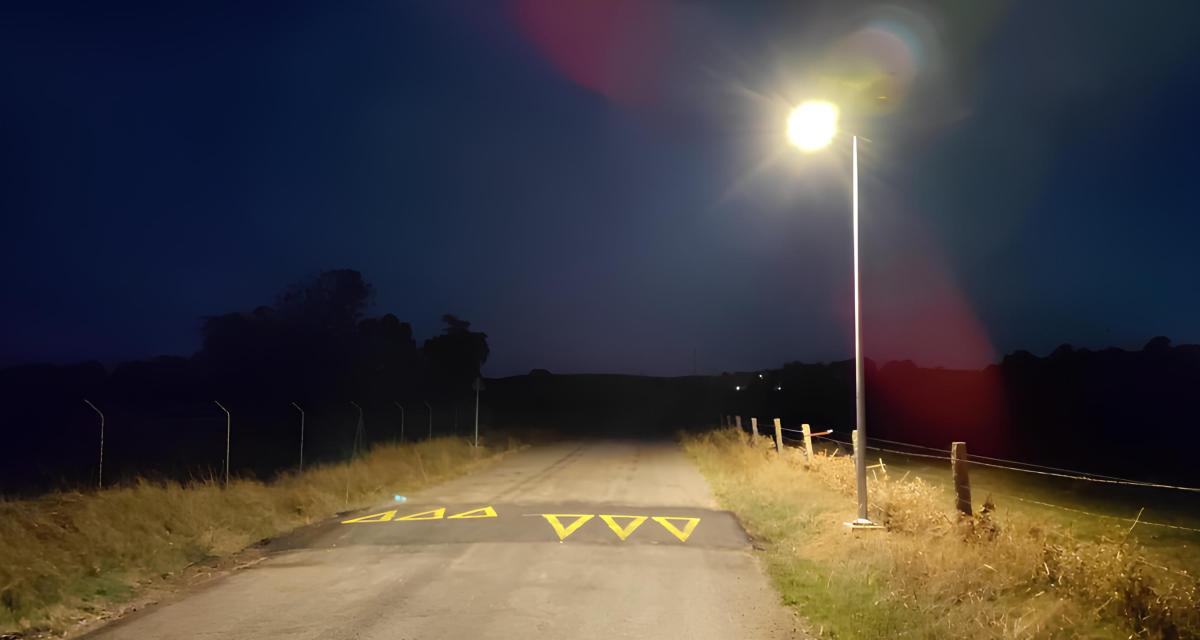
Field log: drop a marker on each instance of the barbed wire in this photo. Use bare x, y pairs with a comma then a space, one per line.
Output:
1029, 500
1057, 472
975, 456
1096, 515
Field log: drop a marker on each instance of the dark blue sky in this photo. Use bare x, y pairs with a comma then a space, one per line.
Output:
604, 186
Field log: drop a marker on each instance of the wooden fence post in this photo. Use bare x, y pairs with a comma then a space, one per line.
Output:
962, 482
854, 443
738, 421
808, 452
778, 436
753, 430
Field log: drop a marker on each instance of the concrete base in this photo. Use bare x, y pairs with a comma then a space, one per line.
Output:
863, 523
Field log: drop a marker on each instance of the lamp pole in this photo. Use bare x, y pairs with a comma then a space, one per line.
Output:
812, 126
860, 395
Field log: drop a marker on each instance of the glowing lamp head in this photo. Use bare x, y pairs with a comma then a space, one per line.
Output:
812, 125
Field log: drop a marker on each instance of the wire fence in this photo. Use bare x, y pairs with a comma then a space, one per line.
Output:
1008, 465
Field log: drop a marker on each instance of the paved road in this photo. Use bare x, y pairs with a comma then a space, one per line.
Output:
579, 540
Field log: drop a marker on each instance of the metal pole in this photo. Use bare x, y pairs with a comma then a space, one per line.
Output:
401, 419
101, 414
301, 435
228, 420
430, 407
860, 400
477, 385
359, 436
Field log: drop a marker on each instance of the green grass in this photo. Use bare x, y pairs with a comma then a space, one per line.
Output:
66, 555
1010, 574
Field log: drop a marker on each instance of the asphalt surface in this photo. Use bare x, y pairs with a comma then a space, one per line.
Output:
577, 540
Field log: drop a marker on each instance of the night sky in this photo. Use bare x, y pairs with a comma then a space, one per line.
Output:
604, 186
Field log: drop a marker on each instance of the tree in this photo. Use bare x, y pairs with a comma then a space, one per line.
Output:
456, 356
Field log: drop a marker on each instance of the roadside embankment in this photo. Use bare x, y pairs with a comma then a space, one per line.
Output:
64, 557
931, 573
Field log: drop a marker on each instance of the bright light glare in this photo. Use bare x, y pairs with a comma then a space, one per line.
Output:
812, 125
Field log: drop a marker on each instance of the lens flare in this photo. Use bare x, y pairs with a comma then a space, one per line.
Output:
812, 125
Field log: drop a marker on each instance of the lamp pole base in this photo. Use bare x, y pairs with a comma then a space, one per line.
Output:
863, 523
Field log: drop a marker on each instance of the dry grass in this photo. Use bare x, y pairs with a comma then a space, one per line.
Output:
64, 554
932, 574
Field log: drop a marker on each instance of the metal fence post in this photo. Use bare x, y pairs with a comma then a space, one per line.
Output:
401, 419
430, 407
228, 421
100, 481
360, 434
301, 435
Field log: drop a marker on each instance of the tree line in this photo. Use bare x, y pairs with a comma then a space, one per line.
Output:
313, 345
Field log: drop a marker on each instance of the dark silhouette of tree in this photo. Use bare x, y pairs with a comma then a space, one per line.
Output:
387, 360
334, 301
455, 357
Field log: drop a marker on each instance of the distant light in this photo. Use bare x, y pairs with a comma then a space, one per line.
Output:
738, 388
812, 125
760, 376
779, 388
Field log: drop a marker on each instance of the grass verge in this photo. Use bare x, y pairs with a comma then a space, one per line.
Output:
64, 556
931, 574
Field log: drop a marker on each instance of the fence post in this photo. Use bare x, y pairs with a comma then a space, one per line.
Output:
360, 433
808, 452
228, 420
854, 443
301, 435
753, 430
100, 477
738, 421
962, 482
401, 419
778, 437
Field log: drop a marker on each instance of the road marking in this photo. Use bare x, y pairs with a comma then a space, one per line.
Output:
563, 532
623, 532
687, 529
374, 517
482, 512
623, 525
436, 514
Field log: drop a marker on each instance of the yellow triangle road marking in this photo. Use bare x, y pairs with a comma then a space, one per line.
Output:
563, 532
482, 512
623, 532
687, 528
436, 514
374, 517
